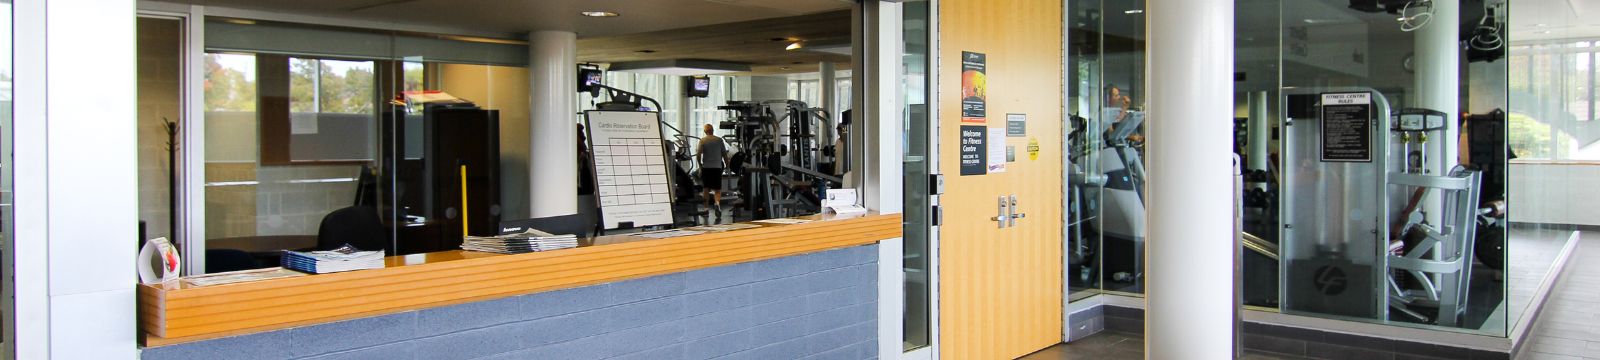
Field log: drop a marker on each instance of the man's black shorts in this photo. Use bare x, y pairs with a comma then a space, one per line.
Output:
711, 178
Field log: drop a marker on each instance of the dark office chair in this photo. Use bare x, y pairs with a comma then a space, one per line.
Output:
358, 226
225, 260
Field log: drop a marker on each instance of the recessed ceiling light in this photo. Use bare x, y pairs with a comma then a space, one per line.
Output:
793, 46
599, 14
1135, 11
1540, 25
1542, 32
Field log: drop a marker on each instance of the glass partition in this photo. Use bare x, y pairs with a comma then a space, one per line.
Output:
1106, 177
1258, 72
1553, 138
1375, 173
302, 136
1083, 175
6, 215
1390, 162
918, 194
420, 138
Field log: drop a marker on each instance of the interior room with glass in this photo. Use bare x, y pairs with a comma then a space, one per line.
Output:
298, 132
1454, 216
774, 179
348, 127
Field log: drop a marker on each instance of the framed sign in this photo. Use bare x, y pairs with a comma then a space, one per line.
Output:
630, 165
1346, 127
974, 147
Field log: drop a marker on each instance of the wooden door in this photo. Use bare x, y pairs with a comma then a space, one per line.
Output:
1000, 288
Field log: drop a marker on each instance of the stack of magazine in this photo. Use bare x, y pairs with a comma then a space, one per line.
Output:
344, 258
525, 242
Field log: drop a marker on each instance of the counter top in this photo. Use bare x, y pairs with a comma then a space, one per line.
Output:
175, 312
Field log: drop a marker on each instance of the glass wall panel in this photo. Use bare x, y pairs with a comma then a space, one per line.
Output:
1552, 134
160, 44
1085, 180
918, 195
1257, 67
300, 135
7, 228
1121, 146
6, 196
1391, 161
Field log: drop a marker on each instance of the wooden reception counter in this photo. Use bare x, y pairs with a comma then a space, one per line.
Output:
174, 313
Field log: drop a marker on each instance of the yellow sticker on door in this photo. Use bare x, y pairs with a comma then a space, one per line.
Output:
1033, 148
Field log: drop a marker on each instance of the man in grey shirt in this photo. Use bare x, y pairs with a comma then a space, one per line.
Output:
713, 158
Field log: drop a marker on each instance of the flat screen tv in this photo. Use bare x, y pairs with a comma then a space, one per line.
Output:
697, 86
588, 78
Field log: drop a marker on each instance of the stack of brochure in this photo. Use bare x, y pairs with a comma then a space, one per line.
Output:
345, 258
525, 242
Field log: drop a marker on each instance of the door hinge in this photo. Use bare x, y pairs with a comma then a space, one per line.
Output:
935, 215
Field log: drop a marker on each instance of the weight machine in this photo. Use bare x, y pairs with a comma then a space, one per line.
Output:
781, 173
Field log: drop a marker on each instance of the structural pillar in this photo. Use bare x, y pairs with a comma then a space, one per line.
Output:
826, 89
1438, 86
70, 249
553, 129
1189, 302
1259, 132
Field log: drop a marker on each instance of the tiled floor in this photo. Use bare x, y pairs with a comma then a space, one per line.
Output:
1531, 252
1111, 345
1569, 326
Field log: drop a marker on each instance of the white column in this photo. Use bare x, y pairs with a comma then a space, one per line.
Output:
76, 202
826, 91
1189, 301
553, 128
1438, 83
1259, 133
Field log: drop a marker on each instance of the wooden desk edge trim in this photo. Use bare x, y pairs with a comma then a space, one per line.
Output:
869, 229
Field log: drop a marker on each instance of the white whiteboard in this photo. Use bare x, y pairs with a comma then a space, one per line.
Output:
631, 173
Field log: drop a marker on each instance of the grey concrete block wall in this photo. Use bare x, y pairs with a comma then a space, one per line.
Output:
814, 306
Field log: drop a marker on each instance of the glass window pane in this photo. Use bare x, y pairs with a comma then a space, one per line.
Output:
345, 87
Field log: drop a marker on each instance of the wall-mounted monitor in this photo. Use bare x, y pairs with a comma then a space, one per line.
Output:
588, 77
697, 86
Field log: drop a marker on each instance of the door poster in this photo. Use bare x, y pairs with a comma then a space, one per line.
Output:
974, 87
973, 149
1347, 127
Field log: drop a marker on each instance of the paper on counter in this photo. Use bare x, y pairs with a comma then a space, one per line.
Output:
723, 227
782, 221
665, 234
234, 277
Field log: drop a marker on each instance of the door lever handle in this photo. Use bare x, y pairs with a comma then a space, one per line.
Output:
1014, 213
1004, 216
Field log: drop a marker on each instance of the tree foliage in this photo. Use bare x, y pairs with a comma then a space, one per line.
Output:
228, 89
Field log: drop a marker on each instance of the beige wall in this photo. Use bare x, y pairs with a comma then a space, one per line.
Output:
159, 78
501, 88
